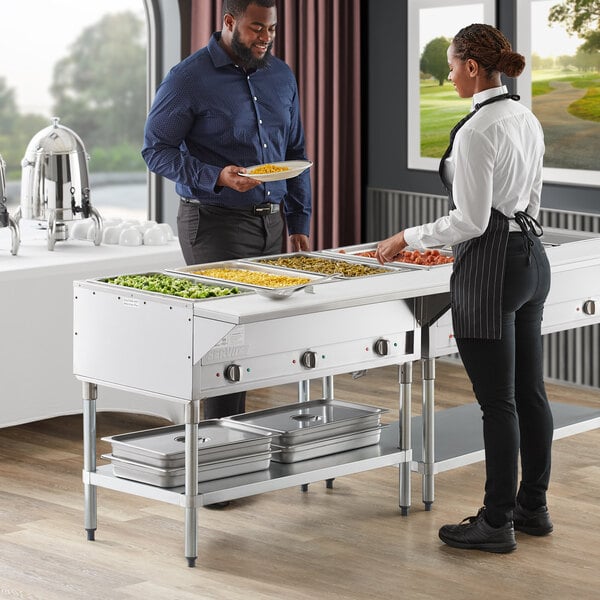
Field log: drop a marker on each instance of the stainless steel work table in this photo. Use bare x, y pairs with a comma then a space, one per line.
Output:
447, 439
341, 324
121, 337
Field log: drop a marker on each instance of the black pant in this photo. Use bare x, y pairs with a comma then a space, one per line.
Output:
507, 378
210, 234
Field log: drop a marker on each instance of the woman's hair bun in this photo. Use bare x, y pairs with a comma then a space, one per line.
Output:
511, 63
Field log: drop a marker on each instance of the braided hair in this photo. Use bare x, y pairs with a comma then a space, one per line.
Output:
489, 48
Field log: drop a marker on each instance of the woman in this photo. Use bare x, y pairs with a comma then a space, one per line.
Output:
500, 280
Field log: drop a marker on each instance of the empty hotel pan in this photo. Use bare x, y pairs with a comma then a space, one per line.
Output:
175, 477
164, 447
326, 446
306, 421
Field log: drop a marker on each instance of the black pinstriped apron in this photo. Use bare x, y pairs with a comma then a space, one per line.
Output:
477, 280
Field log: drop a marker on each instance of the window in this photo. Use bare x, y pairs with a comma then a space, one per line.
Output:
433, 105
86, 63
561, 84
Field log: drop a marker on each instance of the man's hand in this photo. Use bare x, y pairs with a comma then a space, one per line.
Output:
229, 177
388, 249
299, 242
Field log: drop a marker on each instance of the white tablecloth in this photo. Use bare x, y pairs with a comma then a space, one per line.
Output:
36, 323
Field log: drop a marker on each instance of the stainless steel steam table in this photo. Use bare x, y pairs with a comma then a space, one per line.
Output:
182, 351
452, 438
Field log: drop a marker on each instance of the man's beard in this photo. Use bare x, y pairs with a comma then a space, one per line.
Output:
245, 54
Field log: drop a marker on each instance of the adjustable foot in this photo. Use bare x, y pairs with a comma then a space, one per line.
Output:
428, 505
191, 561
404, 511
91, 534
304, 487
329, 484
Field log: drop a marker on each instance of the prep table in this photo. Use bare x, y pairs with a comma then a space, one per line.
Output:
244, 342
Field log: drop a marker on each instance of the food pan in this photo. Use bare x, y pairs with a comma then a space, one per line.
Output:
190, 288
129, 469
321, 264
363, 252
313, 420
250, 270
326, 446
164, 447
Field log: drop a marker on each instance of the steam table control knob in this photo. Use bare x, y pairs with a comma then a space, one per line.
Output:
309, 359
233, 373
381, 347
589, 307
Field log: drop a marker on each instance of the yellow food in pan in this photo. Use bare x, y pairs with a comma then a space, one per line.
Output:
265, 169
253, 277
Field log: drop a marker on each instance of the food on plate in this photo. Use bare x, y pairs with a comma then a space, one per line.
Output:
268, 168
315, 264
172, 286
270, 280
428, 257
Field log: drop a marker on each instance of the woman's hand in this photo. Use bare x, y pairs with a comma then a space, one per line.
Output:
388, 249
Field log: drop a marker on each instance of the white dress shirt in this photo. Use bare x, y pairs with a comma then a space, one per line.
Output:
496, 162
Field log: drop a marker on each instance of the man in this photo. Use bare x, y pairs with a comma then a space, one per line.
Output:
231, 105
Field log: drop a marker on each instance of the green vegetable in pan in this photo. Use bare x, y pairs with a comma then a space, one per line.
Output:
172, 286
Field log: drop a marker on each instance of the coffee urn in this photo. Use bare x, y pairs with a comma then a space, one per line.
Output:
55, 183
5, 219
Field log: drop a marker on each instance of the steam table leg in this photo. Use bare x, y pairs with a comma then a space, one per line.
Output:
328, 393
405, 376
304, 396
192, 418
428, 446
90, 395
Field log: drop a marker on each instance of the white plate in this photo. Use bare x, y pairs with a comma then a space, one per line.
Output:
295, 167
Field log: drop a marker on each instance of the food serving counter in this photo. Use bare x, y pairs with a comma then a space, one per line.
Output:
447, 439
573, 301
36, 304
182, 350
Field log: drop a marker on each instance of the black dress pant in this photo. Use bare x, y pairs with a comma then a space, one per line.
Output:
211, 234
507, 378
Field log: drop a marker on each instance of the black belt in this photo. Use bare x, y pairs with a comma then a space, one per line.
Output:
268, 208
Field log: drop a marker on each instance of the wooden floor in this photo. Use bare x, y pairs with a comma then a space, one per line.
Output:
349, 542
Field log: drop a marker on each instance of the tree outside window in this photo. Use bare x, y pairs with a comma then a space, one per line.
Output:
561, 39
95, 82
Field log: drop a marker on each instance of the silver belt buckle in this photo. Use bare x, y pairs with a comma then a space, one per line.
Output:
269, 209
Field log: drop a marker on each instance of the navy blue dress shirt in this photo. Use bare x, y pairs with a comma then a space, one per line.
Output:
209, 112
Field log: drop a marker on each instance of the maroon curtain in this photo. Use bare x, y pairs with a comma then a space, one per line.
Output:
321, 42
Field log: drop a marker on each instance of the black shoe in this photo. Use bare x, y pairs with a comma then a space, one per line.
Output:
532, 522
474, 533
218, 505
